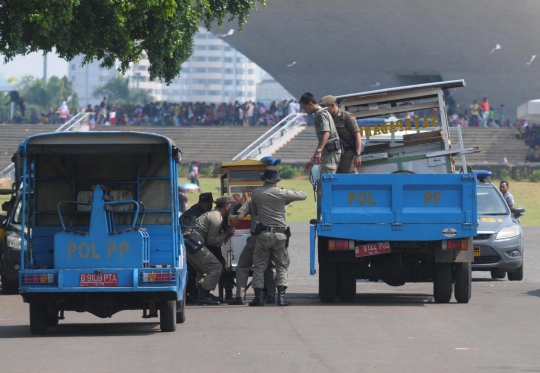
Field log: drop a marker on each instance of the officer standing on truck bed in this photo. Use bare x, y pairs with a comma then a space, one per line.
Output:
349, 134
208, 232
268, 205
245, 262
328, 151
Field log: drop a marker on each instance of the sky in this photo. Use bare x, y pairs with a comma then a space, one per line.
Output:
32, 64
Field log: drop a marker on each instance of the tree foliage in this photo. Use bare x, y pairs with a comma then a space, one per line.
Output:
117, 91
110, 30
39, 95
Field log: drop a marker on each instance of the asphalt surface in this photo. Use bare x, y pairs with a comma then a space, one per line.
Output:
386, 330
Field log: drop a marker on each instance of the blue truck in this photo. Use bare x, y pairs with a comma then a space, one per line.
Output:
410, 215
102, 228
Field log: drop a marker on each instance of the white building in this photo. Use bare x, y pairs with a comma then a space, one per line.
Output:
268, 90
215, 73
87, 78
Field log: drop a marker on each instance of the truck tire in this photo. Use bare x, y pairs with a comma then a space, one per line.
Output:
347, 282
38, 317
9, 287
442, 282
181, 309
167, 316
498, 274
327, 282
517, 275
463, 280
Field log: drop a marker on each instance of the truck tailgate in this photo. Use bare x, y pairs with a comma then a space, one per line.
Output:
398, 206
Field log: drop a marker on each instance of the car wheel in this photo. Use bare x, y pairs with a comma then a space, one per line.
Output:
498, 274
38, 317
442, 282
167, 316
463, 279
347, 282
517, 275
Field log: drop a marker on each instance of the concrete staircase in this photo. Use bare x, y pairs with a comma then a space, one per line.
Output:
495, 145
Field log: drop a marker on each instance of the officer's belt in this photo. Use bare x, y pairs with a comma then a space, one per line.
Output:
274, 229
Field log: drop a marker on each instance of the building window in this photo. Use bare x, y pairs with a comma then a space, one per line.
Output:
72, 66
228, 59
103, 78
213, 93
251, 94
214, 59
251, 82
199, 81
227, 82
199, 69
199, 58
214, 70
239, 71
150, 91
140, 68
251, 71
200, 36
214, 81
175, 92
238, 59
200, 47
199, 93
228, 71
185, 69
239, 93
73, 78
227, 48
214, 47
239, 82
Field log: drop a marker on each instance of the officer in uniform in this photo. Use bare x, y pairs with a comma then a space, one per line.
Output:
205, 204
245, 262
208, 267
328, 151
349, 134
268, 205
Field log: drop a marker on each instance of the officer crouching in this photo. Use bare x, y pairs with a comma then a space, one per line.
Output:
268, 205
206, 233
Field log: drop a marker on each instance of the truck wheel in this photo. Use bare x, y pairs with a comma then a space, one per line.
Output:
38, 317
442, 282
52, 321
181, 309
347, 282
517, 275
167, 316
327, 282
498, 274
463, 277
9, 287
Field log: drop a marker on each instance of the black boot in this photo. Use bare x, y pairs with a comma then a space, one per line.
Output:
258, 301
271, 298
228, 295
238, 301
204, 298
281, 296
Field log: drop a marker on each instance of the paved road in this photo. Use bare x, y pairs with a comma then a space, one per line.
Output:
386, 330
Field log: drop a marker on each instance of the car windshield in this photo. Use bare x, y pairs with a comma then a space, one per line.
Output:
490, 202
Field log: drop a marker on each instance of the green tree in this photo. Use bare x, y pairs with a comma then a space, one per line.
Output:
40, 95
111, 30
117, 91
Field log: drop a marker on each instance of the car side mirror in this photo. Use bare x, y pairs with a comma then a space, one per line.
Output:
518, 211
188, 221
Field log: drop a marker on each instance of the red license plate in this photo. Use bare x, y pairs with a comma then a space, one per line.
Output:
372, 249
105, 279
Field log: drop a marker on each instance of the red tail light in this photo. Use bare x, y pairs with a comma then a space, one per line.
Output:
457, 244
338, 245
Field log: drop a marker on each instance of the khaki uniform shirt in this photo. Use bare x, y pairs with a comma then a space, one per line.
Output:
268, 204
325, 123
246, 210
347, 128
208, 226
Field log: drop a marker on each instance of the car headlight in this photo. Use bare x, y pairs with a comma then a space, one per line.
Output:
14, 241
508, 232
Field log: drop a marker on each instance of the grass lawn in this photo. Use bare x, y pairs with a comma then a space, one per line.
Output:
526, 194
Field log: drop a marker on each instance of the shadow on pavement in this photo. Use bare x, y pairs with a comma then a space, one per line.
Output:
534, 293
79, 330
365, 299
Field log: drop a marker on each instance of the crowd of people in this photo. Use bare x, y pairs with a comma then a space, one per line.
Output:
530, 134
247, 114
480, 115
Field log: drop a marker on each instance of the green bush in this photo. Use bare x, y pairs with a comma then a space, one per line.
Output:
288, 172
535, 176
519, 176
504, 174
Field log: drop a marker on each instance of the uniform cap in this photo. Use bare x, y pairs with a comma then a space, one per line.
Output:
206, 197
271, 175
327, 101
224, 200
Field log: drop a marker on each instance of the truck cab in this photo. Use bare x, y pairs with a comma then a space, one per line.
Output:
410, 214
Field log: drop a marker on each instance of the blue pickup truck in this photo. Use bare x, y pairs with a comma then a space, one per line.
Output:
410, 215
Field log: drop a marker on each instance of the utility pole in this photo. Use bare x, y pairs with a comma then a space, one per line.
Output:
45, 67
